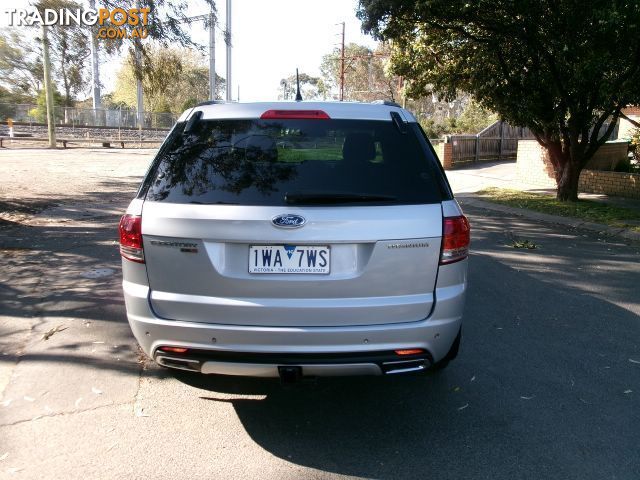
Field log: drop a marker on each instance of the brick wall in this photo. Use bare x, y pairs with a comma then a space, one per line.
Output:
533, 167
610, 183
445, 154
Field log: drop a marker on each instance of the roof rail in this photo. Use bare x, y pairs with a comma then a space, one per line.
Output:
386, 102
211, 102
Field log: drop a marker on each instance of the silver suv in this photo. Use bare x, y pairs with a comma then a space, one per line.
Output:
296, 239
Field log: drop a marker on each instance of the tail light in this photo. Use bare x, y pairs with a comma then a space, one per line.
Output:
131, 238
456, 236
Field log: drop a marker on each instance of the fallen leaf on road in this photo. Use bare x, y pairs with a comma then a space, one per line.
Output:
628, 391
4, 456
634, 361
53, 331
473, 378
463, 407
456, 389
526, 398
96, 391
29, 399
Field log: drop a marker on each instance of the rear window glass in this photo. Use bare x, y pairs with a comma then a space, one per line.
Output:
280, 162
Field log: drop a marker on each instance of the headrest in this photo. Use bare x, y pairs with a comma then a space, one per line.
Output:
358, 147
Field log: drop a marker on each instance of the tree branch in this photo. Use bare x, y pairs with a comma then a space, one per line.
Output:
632, 122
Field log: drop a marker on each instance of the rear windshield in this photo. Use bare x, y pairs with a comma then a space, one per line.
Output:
302, 162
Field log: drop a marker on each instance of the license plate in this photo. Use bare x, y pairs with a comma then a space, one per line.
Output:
289, 259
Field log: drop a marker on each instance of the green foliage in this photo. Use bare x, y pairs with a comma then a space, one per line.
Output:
475, 118
40, 112
563, 76
472, 120
175, 79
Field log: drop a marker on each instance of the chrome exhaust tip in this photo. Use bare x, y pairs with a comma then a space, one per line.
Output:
404, 366
179, 363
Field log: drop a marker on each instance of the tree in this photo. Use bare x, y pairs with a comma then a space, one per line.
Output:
563, 68
175, 79
366, 77
311, 88
474, 118
20, 65
168, 25
40, 111
70, 52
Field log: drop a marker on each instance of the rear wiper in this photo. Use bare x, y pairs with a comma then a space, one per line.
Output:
330, 197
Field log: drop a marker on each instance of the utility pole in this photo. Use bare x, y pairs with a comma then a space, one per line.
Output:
342, 66
46, 62
138, 67
212, 56
227, 39
95, 69
139, 92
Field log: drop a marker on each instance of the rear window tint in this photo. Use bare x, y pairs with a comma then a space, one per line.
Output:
259, 162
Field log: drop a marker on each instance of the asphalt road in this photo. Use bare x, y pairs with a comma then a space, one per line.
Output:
547, 384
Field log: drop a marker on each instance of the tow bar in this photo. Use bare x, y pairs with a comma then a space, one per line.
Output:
289, 374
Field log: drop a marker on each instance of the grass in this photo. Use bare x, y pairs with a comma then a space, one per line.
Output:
588, 210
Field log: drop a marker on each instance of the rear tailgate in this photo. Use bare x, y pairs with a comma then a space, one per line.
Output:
383, 264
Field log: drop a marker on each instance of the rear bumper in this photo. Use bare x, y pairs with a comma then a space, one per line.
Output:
434, 334
270, 365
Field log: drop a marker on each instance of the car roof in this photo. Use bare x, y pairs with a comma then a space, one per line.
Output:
337, 110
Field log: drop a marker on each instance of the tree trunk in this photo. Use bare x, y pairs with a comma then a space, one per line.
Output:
568, 183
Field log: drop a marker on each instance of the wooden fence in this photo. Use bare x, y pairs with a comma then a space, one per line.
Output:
497, 142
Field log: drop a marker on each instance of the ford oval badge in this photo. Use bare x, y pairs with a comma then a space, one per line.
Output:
289, 220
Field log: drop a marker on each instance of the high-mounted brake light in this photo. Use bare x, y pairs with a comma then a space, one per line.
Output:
294, 114
456, 236
131, 238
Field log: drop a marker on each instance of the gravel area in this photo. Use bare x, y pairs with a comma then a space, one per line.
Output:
40, 186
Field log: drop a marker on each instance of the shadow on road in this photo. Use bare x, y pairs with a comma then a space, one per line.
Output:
537, 392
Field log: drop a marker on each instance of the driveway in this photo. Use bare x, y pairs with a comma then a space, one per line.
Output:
547, 384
